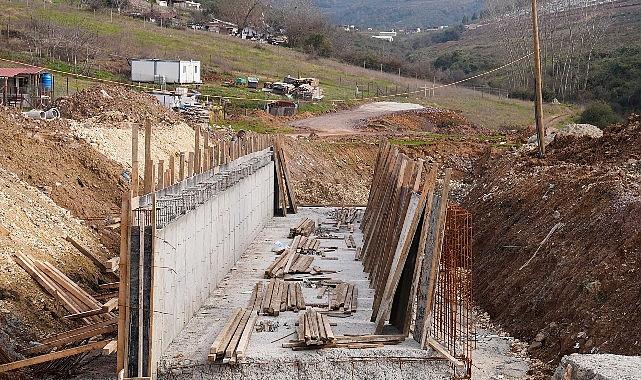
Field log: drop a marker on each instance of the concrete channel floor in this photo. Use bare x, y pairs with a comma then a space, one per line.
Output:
186, 357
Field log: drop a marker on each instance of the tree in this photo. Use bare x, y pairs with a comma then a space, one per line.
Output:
599, 114
303, 23
243, 13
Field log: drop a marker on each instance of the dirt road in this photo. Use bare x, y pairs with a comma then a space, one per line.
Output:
345, 122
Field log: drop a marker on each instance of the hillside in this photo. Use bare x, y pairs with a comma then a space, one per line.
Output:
112, 40
399, 13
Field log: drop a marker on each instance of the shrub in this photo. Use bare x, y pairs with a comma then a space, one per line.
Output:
599, 114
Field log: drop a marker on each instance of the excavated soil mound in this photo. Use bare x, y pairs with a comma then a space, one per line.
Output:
113, 104
557, 244
425, 120
620, 143
67, 169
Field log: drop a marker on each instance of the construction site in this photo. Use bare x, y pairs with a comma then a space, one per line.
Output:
147, 246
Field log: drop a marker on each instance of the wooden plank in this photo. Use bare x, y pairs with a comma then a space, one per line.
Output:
443, 351
413, 216
123, 284
369, 338
110, 348
241, 350
149, 166
53, 356
181, 167
110, 305
97, 262
80, 336
436, 255
230, 356
267, 297
80, 330
135, 164
70, 286
300, 299
428, 187
85, 314
110, 286
47, 284
220, 344
327, 328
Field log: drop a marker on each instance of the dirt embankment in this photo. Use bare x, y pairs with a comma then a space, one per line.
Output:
578, 289
75, 175
336, 170
113, 104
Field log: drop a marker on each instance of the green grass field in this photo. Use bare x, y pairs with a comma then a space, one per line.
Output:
225, 57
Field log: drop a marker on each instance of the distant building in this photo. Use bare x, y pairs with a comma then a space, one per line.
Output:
161, 3
389, 34
25, 86
222, 27
187, 4
161, 72
385, 38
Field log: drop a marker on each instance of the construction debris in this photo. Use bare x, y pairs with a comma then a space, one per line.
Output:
305, 245
305, 228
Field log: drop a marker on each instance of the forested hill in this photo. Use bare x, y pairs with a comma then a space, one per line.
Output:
398, 13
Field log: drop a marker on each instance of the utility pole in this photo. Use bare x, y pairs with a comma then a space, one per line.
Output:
540, 129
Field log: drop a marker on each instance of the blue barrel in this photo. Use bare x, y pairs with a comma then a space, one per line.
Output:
47, 81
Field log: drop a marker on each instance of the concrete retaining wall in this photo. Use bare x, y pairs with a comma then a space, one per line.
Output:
195, 251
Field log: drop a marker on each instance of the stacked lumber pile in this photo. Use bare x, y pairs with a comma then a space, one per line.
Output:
344, 298
305, 228
314, 331
231, 343
289, 263
72, 297
285, 199
278, 296
305, 245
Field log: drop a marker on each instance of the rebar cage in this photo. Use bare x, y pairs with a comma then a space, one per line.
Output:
453, 322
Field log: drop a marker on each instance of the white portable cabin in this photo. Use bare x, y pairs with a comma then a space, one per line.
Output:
155, 70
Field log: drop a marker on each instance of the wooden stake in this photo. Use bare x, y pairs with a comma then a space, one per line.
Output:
172, 170
135, 175
181, 169
149, 166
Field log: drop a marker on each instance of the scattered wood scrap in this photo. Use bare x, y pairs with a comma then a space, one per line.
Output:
231, 343
289, 263
344, 216
344, 298
97, 262
349, 241
351, 342
74, 299
305, 245
305, 228
73, 337
53, 356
